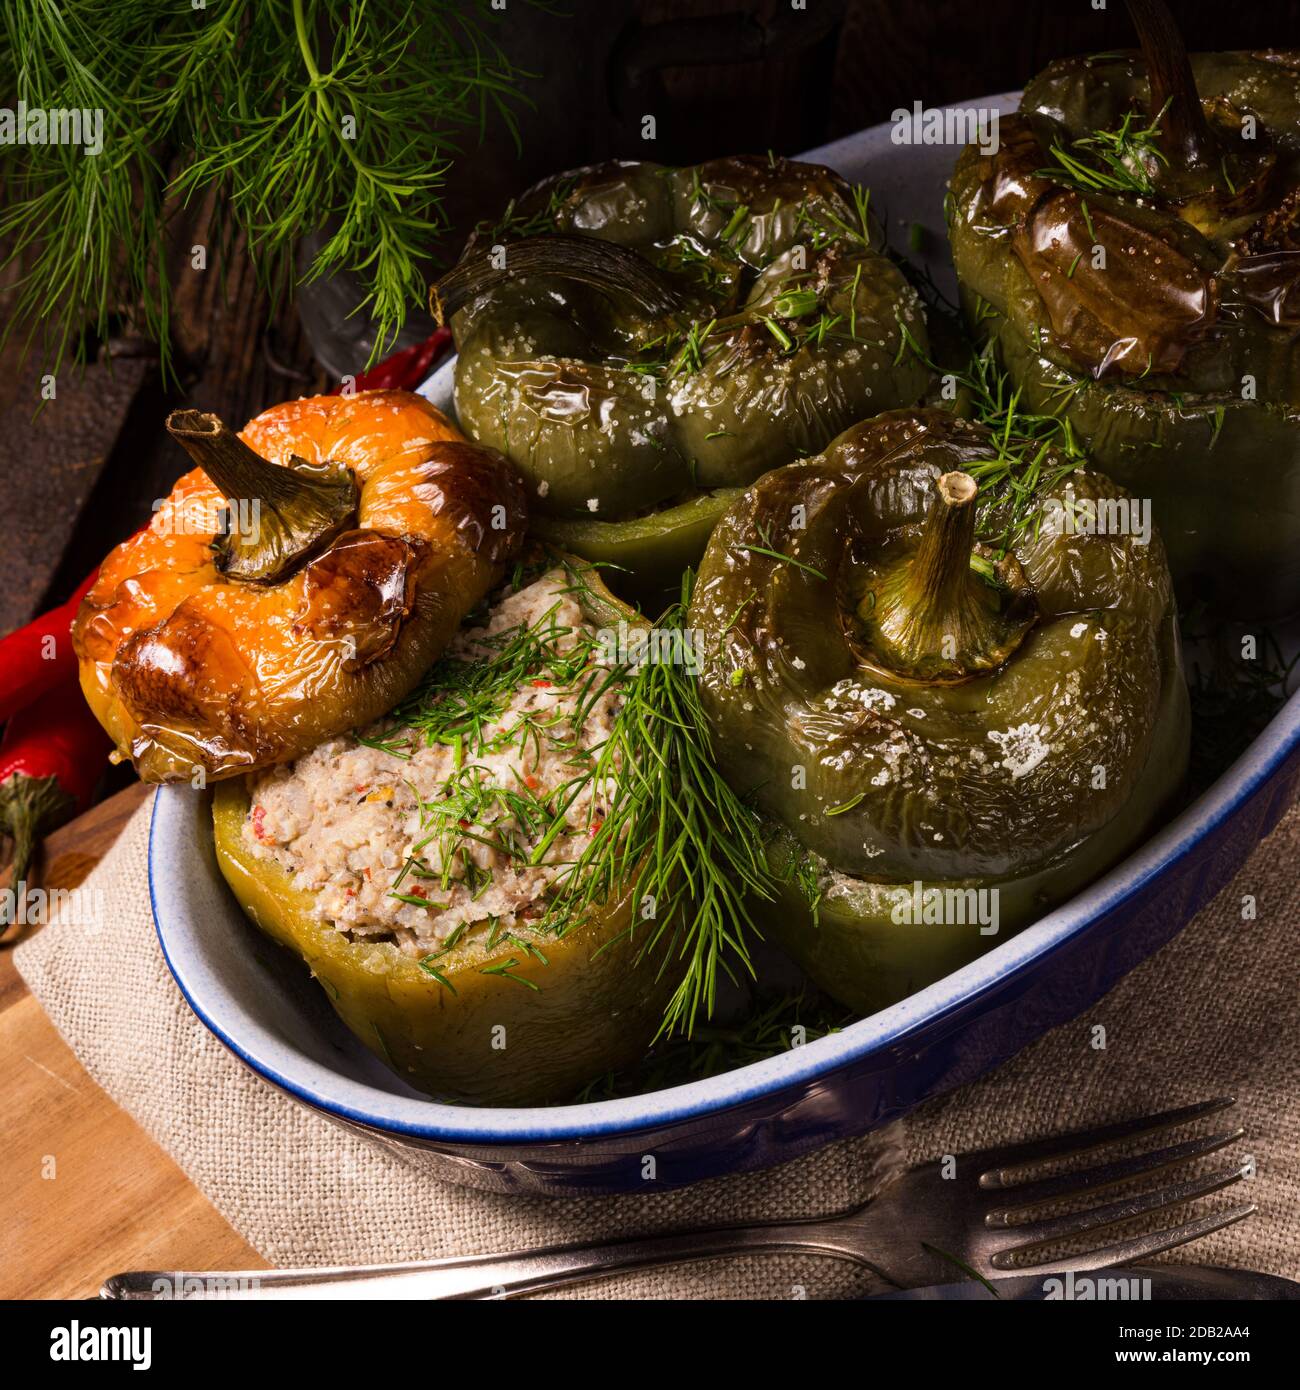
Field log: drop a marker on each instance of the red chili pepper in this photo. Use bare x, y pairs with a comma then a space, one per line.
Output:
404, 370
51, 758
38, 657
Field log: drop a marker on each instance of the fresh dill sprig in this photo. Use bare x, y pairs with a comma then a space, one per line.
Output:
1032, 453
296, 115
688, 846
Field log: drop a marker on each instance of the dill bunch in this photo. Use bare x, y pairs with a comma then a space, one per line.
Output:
295, 114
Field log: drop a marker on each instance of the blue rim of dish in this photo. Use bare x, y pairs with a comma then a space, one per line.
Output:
434, 1122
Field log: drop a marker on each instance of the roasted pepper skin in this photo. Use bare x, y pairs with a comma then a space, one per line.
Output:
555, 373
1177, 361
597, 1003
990, 782
192, 671
854, 947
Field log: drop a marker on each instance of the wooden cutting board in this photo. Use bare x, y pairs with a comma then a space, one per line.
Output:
86, 1193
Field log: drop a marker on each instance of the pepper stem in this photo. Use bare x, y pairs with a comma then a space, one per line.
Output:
279, 516
29, 806
1185, 134
930, 617
940, 572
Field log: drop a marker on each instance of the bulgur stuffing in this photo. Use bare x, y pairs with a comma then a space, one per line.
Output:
428, 823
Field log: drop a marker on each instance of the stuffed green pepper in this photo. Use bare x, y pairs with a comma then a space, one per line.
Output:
1132, 250
443, 872
954, 700
642, 341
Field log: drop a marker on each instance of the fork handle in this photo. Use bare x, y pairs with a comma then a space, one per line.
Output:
483, 1276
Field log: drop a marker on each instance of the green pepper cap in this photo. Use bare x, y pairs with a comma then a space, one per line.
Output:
928, 615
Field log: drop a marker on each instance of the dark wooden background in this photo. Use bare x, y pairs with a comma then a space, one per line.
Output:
720, 76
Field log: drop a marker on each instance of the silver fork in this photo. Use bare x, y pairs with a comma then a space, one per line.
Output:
913, 1233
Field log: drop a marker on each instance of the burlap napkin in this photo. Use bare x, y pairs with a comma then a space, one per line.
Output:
1214, 1012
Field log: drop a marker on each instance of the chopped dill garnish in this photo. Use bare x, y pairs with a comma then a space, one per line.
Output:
858, 229
779, 333
416, 901
545, 218
807, 872
769, 549
1110, 161
907, 340
427, 965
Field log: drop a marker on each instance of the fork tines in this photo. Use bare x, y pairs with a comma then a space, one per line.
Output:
1000, 1177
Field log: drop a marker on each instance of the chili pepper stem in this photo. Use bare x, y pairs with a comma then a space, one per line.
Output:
296, 510
932, 617
29, 806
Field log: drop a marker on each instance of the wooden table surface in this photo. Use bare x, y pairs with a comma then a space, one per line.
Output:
115, 1201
